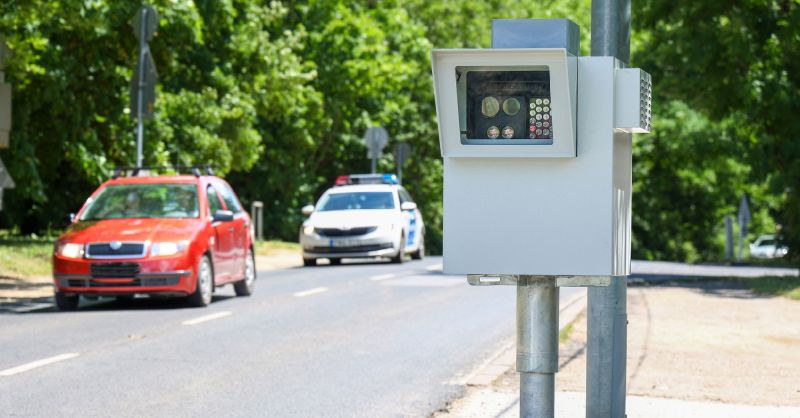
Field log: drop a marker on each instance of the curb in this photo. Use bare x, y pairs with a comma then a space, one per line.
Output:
504, 359
480, 398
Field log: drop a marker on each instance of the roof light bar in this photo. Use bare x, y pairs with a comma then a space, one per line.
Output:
367, 179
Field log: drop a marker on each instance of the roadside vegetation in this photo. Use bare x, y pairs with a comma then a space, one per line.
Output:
276, 96
271, 248
776, 286
566, 332
25, 256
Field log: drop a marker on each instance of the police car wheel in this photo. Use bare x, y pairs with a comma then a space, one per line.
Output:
401, 249
335, 261
309, 262
420, 253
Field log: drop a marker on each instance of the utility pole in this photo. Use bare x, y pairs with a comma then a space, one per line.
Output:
401, 153
145, 77
139, 98
743, 218
607, 312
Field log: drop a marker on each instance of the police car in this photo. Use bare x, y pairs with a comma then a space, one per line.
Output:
363, 216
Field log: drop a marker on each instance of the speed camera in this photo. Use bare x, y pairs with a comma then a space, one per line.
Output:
506, 102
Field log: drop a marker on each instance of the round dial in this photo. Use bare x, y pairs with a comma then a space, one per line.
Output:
489, 106
511, 106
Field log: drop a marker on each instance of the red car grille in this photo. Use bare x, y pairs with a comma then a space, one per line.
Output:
114, 270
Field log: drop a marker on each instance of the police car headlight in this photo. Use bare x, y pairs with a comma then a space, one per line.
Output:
308, 229
384, 228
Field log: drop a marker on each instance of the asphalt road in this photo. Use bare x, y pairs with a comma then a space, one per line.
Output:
366, 340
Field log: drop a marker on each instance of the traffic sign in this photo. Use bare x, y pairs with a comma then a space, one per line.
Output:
6, 182
401, 153
5, 53
744, 211
145, 22
743, 218
5, 113
375, 139
148, 89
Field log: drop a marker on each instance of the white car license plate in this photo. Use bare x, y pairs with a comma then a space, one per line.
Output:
343, 243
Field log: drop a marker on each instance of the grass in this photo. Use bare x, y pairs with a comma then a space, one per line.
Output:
565, 333
777, 286
22, 256
273, 247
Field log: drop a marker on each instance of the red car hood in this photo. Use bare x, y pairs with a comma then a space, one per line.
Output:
137, 229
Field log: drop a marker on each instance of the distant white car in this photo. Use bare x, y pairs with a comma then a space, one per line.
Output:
363, 216
766, 246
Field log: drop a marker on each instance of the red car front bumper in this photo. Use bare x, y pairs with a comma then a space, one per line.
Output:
163, 275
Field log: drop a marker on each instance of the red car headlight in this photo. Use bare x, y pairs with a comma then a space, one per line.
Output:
69, 250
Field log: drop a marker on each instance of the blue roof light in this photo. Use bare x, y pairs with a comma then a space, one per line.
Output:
367, 179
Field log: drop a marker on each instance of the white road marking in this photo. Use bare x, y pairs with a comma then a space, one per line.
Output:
206, 318
310, 292
38, 363
435, 267
382, 277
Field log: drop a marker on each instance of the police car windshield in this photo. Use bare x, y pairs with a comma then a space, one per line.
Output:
356, 200
144, 201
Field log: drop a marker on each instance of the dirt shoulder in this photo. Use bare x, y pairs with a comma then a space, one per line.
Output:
707, 341
699, 345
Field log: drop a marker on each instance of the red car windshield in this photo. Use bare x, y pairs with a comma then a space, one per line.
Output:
166, 200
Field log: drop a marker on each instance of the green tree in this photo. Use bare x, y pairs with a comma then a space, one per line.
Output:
218, 63
739, 63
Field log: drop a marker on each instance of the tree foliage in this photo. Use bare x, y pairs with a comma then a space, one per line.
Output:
738, 63
277, 96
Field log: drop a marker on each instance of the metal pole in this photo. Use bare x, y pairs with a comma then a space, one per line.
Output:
261, 222
611, 29
374, 163
607, 317
400, 173
140, 99
257, 217
537, 345
729, 237
741, 240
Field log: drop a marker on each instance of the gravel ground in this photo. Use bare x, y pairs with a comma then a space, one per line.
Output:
694, 349
708, 342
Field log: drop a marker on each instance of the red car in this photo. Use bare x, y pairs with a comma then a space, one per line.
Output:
179, 235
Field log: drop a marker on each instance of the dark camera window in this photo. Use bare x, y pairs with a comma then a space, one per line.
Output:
508, 107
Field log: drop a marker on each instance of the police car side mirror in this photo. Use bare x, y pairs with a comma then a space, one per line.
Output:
307, 210
408, 206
